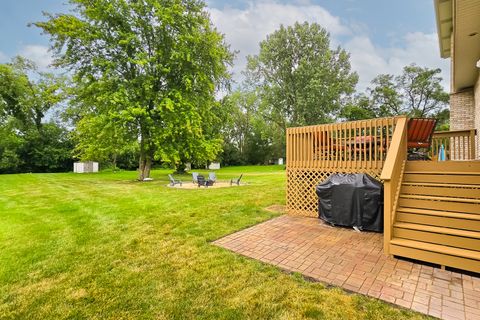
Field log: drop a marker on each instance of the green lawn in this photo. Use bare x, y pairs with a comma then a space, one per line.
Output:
103, 246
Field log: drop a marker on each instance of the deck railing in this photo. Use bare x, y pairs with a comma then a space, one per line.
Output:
316, 152
458, 144
392, 175
341, 146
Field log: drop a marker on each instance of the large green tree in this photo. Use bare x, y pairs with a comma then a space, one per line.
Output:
29, 142
150, 69
302, 80
417, 92
247, 137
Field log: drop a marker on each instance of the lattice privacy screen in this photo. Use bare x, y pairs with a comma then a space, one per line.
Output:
301, 197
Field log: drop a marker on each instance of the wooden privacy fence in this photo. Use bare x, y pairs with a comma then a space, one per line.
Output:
315, 152
458, 144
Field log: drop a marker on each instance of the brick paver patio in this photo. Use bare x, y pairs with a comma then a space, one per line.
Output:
355, 261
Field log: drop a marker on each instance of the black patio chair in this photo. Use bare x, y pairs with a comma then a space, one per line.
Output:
204, 183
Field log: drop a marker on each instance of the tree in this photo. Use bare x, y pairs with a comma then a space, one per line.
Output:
358, 109
238, 109
417, 92
302, 81
48, 149
27, 142
246, 136
101, 138
150, 66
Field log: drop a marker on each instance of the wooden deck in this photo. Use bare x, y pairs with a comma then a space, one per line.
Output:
316, 152
431, 208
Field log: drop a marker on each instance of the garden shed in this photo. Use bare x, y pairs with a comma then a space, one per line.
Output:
85, 167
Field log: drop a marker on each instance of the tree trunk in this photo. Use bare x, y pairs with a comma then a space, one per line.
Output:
145, 162
181, 167
143, 159
141, 166
114, 162
145, 166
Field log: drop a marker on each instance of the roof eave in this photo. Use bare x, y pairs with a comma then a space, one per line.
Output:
443, 15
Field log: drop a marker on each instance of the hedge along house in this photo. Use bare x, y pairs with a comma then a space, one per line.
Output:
431, 208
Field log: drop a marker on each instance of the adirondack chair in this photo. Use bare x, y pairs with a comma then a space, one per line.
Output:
236, 181
420, 131
202, 182
194, 177
212, 176
419, 136
173, 181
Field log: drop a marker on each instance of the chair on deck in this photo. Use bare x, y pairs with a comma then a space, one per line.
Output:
419, 136
236, 181
174, 181
325, 146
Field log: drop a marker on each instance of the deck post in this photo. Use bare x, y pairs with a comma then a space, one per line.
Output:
473, 154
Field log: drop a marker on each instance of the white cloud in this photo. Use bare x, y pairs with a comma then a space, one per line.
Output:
38, 54
366, 60
370, 60
245, 28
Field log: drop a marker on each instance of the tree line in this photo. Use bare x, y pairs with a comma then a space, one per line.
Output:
142, 87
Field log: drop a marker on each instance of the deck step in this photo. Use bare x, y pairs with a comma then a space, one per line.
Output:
463, 207
440, 213
438, 198
442, 230
439, 218
435, 253
440, 184
475, 173
464, 239
441, 190
460, 178
443, 166
464, 253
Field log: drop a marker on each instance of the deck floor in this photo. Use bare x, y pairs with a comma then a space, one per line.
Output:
355, 261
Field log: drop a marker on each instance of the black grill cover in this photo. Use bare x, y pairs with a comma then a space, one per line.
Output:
351, 200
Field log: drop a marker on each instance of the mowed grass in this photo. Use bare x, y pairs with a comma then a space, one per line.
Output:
103, 246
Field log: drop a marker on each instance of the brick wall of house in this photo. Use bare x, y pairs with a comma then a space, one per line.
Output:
462, 110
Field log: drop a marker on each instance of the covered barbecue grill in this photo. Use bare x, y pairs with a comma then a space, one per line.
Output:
351, 200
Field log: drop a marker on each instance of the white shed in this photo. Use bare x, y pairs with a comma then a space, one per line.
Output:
214, 166
85, 167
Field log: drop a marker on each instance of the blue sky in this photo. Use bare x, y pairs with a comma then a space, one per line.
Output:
381, 35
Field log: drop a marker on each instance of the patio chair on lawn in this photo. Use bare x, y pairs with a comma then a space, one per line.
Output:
419, 136
204, 183
212, 177
173, 181
236, 181
194, 177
